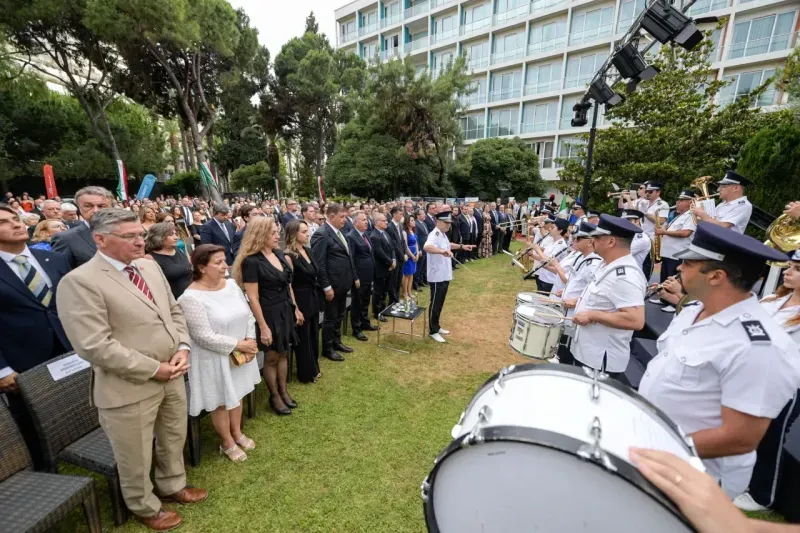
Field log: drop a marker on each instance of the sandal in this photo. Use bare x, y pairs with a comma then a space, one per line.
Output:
246, 443
235, 454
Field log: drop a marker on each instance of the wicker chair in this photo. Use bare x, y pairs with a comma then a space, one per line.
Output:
68, 427
37, 501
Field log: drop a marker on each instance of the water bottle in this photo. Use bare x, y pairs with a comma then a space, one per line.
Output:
408, 304
413, 302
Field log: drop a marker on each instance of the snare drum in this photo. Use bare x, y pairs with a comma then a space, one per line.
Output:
535, 332
544, 448
534, 298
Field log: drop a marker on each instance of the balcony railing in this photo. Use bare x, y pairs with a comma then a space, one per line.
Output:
547, 46
538, 5
511, 14
419, 9
775, 43
532, 127
476, 98
476, 63
347, 37
444, 35
369, 28
624, 25
590, 34
768, 97
475, 26
437, 3
474, 133
704, 6
577, 81
544, 87
418, 44
504, 94
508, 55
503, 131
391, 20
389, 53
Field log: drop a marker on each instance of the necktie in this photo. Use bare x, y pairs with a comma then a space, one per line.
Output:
33, 280
224, 230
341, 238
139, 281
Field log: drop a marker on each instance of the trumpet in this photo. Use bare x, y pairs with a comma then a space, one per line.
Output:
658, 287
618, 194
515, 223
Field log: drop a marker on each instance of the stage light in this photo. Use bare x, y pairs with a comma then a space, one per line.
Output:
603, 94
580, 118
665, 24
630, 64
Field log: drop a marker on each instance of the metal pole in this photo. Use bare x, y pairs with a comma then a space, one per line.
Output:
587, 177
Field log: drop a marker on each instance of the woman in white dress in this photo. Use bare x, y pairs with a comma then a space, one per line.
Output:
220, 321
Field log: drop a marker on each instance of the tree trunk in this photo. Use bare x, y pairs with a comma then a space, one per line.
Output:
214, 169
193, 153
184, 145
289, 160
320, 147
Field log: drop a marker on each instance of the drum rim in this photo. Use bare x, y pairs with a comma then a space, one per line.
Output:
529, 319
548, 439
578, 371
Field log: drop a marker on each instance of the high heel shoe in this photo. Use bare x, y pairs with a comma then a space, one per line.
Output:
290, 403
281, 412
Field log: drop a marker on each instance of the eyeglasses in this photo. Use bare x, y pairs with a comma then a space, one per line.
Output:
130, 236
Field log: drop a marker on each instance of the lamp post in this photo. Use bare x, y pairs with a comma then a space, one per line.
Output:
587, 177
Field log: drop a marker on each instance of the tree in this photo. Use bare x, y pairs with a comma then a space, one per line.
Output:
669, 130
184, 183
258, 177
490, 163
311, 24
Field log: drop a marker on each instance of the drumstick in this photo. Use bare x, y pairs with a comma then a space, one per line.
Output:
514, 260
462, 264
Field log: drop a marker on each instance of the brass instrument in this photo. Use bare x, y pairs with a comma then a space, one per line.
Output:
655, 249
619, 194
701, 184
784, 235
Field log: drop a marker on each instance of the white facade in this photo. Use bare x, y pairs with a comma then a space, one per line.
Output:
531, 59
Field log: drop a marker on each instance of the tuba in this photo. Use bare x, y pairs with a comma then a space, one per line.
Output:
784, 235
701, 184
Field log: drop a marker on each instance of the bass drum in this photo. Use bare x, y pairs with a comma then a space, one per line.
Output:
544, 448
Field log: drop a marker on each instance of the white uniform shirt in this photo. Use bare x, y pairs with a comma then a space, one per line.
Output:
440, 268
550, 251
640, 247
781, 316
659, 209
567, 264
736, 212
672, 245
617, 285
739, 358
582, 274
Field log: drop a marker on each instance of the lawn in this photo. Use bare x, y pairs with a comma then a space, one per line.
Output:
352, 457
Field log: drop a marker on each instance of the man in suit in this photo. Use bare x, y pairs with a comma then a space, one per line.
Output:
349, 221
421, 230
494, 220
77, 244
292, 213
430, 216
119, 314
246, 212
477, 214
365, 269
385, 263
187, 208
370, 222
499, 229
220, 231
509, 233
462, 222
337, 274
309, 213
32, 332
395, 231
69, 215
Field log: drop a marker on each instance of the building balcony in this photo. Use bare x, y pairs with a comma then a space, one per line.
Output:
439, 3
477, 63
544, 87
511, 14
419, 9
444, 36
478, 26
704, 6
508, 55
540, 5
476, 133
577, 81
366, 30
470, 100
391, 20
504, 94
349, 37
591, 34
767, 98
534, 127
753, 47
547, 46
390, 53
414, 46
502, 131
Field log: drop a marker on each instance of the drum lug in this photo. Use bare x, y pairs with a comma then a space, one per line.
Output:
425, 489
498, 384
593, 451
485, 414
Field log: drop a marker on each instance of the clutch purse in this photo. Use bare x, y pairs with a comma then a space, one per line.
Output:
237, 358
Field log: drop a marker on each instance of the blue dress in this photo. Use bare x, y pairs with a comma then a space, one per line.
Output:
410, 267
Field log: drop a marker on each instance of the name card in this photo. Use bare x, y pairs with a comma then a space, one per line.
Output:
67, 366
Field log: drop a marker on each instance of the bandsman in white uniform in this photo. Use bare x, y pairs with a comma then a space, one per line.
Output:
612, 306
592, 217
725, 368
440, 270
579, 212
677, 235
735, 209
639, 203
655, 212
556, 249
642, 245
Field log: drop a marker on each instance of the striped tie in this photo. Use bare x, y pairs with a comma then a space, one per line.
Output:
34, 280
139, 281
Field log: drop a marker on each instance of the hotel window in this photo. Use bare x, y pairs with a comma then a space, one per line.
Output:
543, 78
546, 37
591, 25
503, 122
580, 70
762, 35
746, 82
506, 85
539, 117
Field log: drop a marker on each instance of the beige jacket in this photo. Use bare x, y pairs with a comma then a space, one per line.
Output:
114, 326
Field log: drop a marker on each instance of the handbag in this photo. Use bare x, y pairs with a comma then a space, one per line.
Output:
237, 358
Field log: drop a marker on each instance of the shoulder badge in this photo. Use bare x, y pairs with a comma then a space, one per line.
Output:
742, 201
620, 271
640, 235
755, 331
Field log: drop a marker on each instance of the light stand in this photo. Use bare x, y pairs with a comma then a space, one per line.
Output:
587, 177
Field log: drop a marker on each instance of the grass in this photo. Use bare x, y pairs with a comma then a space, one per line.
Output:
353, 455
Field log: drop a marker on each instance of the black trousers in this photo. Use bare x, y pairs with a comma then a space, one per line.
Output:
380, 289
542, 286
507, 240
647, 268
564, 355
768, 479
393, 286
420, 276
669, 267
438, 294
332, 321
497, 241
359, 306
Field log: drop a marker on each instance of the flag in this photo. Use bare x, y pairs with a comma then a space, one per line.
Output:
122, 181
277, 189
563, 210
207, 176
321, 190
49, 181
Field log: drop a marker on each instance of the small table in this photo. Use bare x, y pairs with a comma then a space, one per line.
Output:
411, 316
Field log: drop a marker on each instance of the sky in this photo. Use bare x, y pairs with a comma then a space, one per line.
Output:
278, 21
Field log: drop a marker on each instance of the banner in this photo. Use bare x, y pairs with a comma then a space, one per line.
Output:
49, 182
321, 190
277, 188
122, 181
533, 200
146, 187
471, 199
207, 176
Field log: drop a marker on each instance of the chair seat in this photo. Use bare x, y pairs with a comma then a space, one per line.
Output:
92, 452
35, 501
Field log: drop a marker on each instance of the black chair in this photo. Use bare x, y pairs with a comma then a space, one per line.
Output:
37, 501
192, 431
68, 426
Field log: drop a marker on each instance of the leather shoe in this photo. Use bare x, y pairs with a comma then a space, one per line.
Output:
163, 520
291, 404
333, 356
342, 348
382, 319
360, 336
370, 327
187, 495
284, 411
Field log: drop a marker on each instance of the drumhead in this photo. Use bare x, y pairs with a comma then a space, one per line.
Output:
539, 314
519, 479
526, 297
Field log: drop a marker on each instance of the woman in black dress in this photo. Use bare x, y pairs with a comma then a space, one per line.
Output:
266, 276
161, 244
306, 292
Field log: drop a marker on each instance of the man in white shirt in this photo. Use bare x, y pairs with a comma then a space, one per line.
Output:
642, 245
310, 216
725, 368
440, 270
735, 209
612, 306
677, 235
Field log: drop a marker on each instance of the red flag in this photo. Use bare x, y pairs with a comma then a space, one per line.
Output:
321, 190
50, 182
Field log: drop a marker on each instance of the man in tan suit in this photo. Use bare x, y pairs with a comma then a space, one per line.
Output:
120, 315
